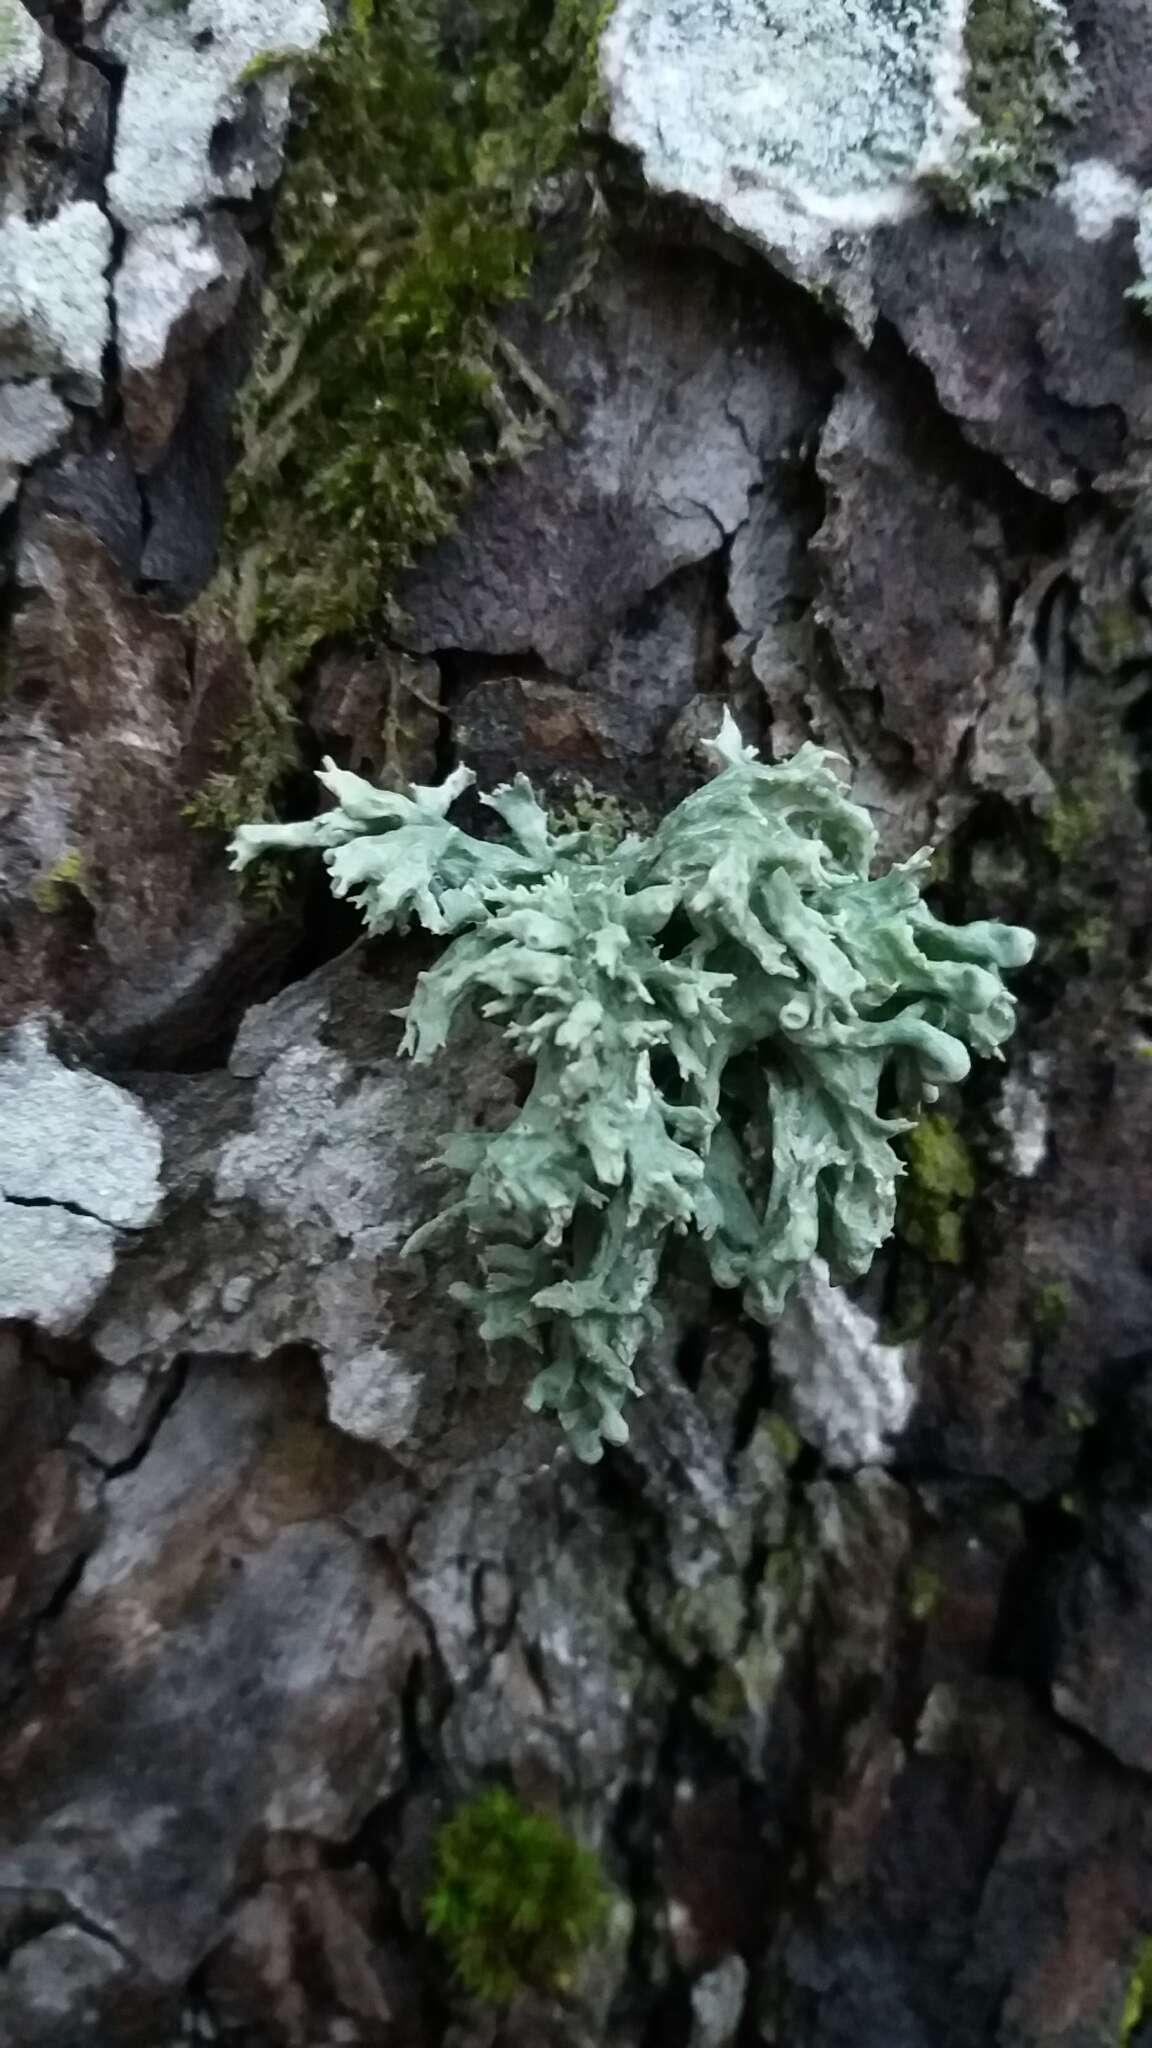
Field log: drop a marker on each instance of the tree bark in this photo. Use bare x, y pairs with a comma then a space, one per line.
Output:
841, 1663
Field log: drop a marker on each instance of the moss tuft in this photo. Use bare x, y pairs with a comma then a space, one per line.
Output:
1049, 1309
606, 819
1138, 1998
785, 1441
1118, 631
925, 1592
1024, 82
514, 1899
405, 223
939, 1184
63, 881
1071, 824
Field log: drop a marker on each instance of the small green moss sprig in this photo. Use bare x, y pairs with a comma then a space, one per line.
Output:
64, 883
404, 225
938, 1186
729, 1022
514, 1899
1024, 83
1138, 1996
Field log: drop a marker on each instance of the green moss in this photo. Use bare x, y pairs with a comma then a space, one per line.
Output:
1024, 83
925, 1592
1120, 631
514, 1899
61, 883
940, 1182
1071, 825
606, 818
1138, 1998
1078, 845
1089, 935
943, 865
405, 223
932, 1206
1049, 1309
725, 1704
784, 1439
1075, 870
939, 1161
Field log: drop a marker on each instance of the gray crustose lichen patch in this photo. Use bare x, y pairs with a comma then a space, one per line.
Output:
797, 120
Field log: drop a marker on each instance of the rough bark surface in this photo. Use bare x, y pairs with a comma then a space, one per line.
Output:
842, 1664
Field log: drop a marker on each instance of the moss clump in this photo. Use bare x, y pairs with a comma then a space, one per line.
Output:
724, 1706
1049, 1309
925, 1592
61, 884
1116, 631
405, 223
515, 1900
1089, 936
1138, 1998
940, 1182
1024, 82
606, 819
785, 1441
1071, 824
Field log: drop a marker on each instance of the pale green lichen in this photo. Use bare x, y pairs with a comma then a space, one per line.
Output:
712, 1012
803, 124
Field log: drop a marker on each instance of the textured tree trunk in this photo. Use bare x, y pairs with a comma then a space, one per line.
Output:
841, 1664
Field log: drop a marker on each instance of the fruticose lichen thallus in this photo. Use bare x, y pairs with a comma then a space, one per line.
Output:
729, 1022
